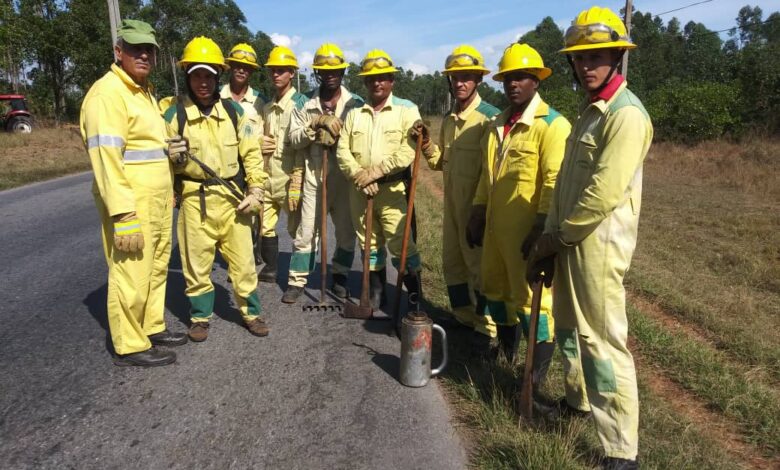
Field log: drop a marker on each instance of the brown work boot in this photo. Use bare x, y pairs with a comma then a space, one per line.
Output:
257, 327
199, 331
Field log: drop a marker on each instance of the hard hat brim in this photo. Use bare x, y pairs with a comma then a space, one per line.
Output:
280, 64
184, 64
330, 67
452, 70
241, 61
540, 73
604, 45
378, 71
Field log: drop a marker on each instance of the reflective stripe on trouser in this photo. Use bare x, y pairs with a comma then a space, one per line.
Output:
198, 240
505, 288
592, 332
459, 262
388, 226
136, 282
306, 243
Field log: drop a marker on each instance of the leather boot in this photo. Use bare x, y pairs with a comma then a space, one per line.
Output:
507, 341
168, 338
257, 327
292, 294
149, 358
339, 287
376, 283
199, 331
269, 250
413, 284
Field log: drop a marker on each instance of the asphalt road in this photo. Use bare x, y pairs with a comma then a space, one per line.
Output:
319, 392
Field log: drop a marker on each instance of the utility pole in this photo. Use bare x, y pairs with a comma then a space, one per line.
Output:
114, 19
629, 10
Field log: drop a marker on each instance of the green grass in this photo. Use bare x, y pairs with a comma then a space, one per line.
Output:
41, 155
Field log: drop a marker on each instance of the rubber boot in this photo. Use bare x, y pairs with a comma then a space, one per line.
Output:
507, 341
376, 283
614, 463
543, 354
339, 287
413, 284
480, 346
269, 250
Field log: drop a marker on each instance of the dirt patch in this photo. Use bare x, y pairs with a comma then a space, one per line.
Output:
672, 322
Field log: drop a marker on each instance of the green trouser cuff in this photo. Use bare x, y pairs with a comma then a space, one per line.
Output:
253, 305
202, 306
302, 261
542, 330
459, 295
497, 310
377, 260
343, 258
567, 341
412, 263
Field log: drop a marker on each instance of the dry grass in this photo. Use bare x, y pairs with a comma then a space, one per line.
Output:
44, 154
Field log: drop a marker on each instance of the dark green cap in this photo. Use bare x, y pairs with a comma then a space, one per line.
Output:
136, 32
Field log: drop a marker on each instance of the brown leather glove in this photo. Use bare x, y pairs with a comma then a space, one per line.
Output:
475, 229
294, 190
127, 233
252, 202
268, 146
420, 130
325, 138
368, 175
371, 189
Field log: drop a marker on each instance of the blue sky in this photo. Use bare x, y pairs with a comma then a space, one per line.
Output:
420, 34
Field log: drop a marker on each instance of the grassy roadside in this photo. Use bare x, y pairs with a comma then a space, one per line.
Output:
41, 155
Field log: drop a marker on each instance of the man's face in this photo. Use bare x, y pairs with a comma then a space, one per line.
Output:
520, 87
203, 84
281, 76
240, 73
379, 86
464, 83
592, 67
136, 60
330, 79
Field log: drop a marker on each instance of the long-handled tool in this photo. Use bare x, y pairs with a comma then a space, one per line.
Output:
322, 305
407, 234
364, 311
207, 169
526, 393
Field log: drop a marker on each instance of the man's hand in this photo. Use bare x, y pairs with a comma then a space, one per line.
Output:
368, 175
542, 269
294, 190
178, 149
325, 138
269, 146
475, 229
547, 245
332, 124
127, 233
533, 235
252, 202
420, 130
372, 189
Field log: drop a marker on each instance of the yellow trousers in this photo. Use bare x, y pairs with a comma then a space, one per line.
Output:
136, 281
199, 237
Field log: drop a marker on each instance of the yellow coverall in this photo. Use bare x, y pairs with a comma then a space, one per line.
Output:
276, 118
517, 181
125, 137
595, 212
380, 138
461, 161
215, 141
307, 235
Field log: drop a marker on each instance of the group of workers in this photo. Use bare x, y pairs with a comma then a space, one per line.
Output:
527, 198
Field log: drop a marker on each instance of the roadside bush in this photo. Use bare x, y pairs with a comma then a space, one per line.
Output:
693, 112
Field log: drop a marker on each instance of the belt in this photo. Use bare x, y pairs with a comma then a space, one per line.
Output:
392, 178
202, 189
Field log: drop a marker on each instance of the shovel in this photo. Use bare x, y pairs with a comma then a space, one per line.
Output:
526, 393
322, 305
364, 311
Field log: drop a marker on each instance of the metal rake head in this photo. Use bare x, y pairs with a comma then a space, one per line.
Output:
322, 307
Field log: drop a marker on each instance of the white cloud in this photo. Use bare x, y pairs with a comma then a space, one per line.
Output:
418, 69
352, 56
305, 59
285, 40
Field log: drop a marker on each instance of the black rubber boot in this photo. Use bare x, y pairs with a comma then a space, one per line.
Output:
507, 341
376, 283
413, 284
269, 250
543, 354
339, 287
614, 463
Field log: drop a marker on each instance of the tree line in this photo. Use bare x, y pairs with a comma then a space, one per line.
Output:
694, 84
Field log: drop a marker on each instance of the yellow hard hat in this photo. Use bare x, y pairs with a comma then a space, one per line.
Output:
596, 28
202, 50
376, 62
521, 57
465, 58
329, 57
281, 56
243, 53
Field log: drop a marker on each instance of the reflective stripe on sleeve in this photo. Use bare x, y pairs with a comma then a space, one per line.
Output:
144, 155
105, 140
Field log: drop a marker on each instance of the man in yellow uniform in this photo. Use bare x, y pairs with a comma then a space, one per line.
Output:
314, 128
523, 151
591, 233
374, 151
280, 157
460, 158
219, 133
243, 64
133, 189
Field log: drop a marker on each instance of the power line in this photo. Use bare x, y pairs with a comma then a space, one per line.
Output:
746, 26
682, 8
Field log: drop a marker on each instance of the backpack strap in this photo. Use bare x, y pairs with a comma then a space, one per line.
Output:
231, 112
181, 115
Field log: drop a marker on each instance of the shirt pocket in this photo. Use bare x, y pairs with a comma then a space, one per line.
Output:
522, 160
393, 138
359, 143
584, 159
465, 160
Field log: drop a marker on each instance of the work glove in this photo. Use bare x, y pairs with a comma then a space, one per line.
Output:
542, 269
252, 202
294, 190
533, 235
420, 130
368, 175
127, 233
327, 121
547, 245
178, 147
475, 229
268, 146
325, 138
371, 189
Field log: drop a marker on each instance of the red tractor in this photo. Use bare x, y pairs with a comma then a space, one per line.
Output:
14, 116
